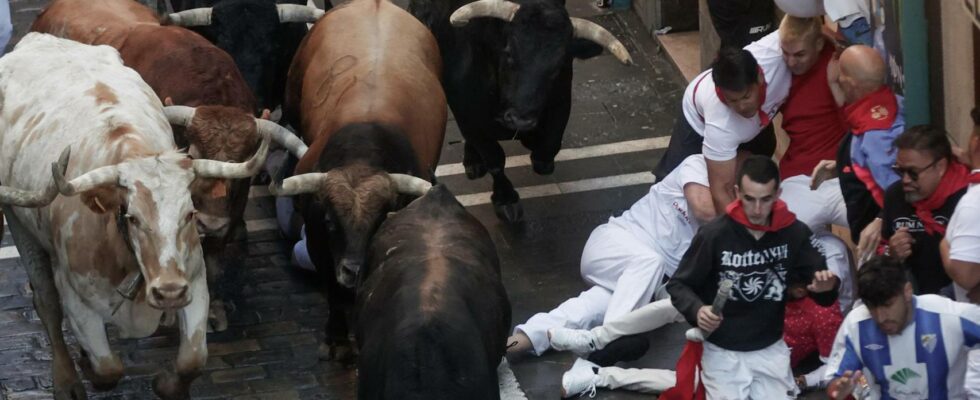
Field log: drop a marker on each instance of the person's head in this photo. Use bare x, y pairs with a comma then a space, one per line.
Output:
973, 148
757, 185
862, 71
801, 40
737, 77
923, 155
884, 287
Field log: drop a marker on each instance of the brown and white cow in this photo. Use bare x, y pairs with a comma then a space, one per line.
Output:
364, 92
126, 209
184, 68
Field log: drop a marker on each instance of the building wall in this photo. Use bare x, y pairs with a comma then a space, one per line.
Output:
958, 69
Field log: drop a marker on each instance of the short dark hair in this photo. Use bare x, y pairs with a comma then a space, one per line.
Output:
735, 69
759, 169
925, 138
880, 280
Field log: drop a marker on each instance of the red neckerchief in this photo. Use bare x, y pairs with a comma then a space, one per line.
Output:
763, 117
956, 177
689, 385
877, 110
975, 177
781, 216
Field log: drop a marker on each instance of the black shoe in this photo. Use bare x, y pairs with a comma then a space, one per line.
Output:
626, 348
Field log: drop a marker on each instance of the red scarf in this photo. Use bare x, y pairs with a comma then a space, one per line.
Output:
975, 177
688, 385
781, 216
956, 177
877, 110
763, 117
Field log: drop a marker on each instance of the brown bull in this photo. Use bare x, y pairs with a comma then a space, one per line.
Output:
364, 90
183, 68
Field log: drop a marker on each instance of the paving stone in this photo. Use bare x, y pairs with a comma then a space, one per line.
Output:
294, 340
270, 329
239, 346
238, 374
18, 385
280, 395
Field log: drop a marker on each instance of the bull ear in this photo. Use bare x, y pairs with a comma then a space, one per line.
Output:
583, 49
103, 199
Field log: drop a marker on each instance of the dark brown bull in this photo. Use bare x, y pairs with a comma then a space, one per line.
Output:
183, 68
364, 90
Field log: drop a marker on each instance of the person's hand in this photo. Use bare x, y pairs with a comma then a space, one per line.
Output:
868, 242
844, 386
823, 281
707, 320
900, 244
825, 169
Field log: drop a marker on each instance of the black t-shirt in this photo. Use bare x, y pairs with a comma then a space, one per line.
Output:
925, 263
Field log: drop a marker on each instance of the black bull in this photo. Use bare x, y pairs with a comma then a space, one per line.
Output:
507, 75
433, 314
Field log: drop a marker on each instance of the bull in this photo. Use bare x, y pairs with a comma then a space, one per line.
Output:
126, 207
508, 75
364, 92
184, 68
433, 313
260, 35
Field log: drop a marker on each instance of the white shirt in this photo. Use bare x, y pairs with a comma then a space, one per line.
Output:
963, 231
926, 360
662, 218
845, 12
722, 128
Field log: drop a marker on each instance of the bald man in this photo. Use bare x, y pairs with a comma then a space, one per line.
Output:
874, 116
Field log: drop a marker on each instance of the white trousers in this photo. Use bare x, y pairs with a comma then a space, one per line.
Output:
644, 319
736, 375
645, 380
972, 381
624, 271
819, 209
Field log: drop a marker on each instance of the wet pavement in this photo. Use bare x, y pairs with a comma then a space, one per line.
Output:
620, 117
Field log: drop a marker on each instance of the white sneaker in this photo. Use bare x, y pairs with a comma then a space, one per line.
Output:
581, 379
579, 341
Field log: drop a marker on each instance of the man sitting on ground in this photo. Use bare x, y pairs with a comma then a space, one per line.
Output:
899, 345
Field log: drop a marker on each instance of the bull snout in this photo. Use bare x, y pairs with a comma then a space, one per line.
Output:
211, 225
511, 119
169, 295
347, 272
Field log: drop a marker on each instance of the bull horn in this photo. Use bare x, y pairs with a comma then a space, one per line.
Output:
35, 198
192, 17
411, 185
593, 32
282, 136
298, 13
299, 184
179, 115
108, 174
501, 9
230, 170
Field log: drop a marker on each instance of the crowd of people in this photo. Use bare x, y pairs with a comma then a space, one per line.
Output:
896, 317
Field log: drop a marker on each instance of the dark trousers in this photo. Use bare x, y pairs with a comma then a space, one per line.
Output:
740, 22
684, 141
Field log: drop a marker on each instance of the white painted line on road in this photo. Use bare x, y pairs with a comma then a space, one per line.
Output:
8, 252
554, 189
599, 150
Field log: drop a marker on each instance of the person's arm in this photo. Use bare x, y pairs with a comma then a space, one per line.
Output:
960, 249
723, 132
700, 202
823, 287
692, 272
721, 181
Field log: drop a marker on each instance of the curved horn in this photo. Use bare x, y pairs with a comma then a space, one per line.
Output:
192, 17
501, 9
39, 198
230, 170
298, 184
411, 185
591, 31
179, 115
108, 174
298, 13
282, 136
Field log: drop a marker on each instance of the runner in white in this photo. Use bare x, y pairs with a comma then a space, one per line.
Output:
904, 346
627, 259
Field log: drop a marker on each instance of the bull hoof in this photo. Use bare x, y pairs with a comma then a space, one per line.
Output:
73, 391
513, 212
217, 317
167, 386
475, 171
342, 353
543, 167
99, 383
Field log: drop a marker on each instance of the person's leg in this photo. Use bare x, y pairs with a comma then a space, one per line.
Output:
643, 319
615, 259
807, 204
772, 377
582, 312
724, 375
643, 380
684, 141
835, 206
6, 27
637, 284
301, 256
859, 32
972, 381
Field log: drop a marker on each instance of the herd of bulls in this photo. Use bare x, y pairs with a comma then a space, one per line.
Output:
114, 224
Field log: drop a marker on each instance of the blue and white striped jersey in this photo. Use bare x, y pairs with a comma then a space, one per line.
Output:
926, 361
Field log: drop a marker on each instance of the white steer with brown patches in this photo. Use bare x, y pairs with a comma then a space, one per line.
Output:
132, 216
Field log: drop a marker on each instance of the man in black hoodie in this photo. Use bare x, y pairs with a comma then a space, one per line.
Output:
762, 249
